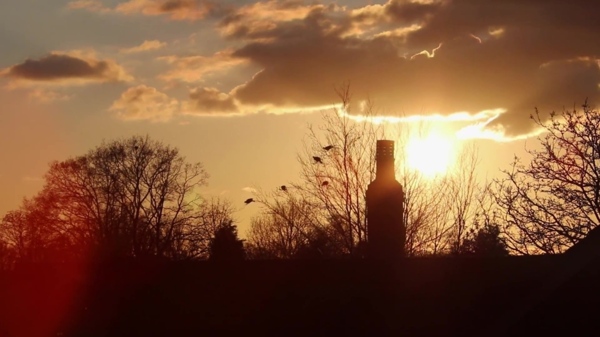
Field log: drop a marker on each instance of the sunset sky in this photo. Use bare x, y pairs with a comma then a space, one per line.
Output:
233, 84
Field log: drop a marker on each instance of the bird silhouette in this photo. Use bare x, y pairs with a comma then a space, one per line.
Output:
318, 159
325, 183
248, 201
283, 188
328, 147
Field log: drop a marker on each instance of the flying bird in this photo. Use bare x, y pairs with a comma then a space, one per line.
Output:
318, 159
328, 147
325, 183
283, 188
248, 201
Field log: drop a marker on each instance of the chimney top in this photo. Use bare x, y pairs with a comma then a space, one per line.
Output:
385, 149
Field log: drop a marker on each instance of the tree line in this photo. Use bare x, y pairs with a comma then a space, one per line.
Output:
140, 198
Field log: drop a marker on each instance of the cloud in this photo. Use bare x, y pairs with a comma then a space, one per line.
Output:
145, 103
89, 5
414, 58
192, 69
472, 56
210, 101
65, 68
145, 46
174, 9
249, 189
47, 96
261, 19
405, 11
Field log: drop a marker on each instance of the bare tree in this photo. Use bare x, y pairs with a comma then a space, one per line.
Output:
214, 213
554, 201
438, 210
130, 197
464, 191
427, 199
337, 164
34, 232
284, 226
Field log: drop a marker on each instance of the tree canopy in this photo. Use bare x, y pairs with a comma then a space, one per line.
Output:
132, 197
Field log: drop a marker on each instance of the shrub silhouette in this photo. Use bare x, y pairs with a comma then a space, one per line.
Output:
225, 245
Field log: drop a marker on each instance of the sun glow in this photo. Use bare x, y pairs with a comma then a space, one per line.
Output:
432, 155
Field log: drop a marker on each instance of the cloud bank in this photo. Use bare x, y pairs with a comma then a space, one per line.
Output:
437, 57
410, 57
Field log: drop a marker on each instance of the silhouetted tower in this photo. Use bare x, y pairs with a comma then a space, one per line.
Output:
385, 205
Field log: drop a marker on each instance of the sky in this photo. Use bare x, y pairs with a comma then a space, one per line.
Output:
234, 83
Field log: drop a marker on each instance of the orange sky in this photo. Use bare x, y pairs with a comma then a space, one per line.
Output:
227, 81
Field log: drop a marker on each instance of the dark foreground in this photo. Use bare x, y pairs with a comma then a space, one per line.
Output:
516, 296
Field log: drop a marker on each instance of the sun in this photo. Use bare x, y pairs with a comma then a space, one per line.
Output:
432, 155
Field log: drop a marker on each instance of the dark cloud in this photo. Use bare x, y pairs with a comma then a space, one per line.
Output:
56, 67
63, 67
175, 9
409, 11
173, 5
537, 21
492, 54
208, 8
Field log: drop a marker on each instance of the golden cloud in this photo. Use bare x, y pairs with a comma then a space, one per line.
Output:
89, 5
47, 96
192, 69
258, 19
147, 45
145, 103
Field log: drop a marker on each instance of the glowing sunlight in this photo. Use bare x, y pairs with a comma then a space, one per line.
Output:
431, 155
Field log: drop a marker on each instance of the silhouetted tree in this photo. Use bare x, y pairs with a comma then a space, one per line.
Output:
131, 197
214, 213
554, 201
426, 214
319, 245
466, 195
282, 227
35, 231
225, 245
483, 241
347, 152
439, 209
